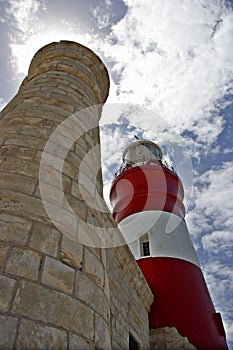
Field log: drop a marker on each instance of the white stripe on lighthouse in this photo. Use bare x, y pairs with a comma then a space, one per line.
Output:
168, 235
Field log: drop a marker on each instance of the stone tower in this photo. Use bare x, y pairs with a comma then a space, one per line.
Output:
61, 285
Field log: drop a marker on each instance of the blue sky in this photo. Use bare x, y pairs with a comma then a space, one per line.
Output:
171, 60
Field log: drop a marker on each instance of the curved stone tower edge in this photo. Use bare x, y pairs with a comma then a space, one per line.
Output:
55, 291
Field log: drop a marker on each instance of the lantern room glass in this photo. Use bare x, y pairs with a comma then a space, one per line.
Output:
142, 151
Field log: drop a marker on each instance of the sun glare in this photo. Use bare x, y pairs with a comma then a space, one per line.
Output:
22, 53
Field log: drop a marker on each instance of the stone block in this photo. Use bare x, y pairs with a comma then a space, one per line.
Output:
73, 159
168, 338
38, 337
36, 131
55, 175
3, 251
14, 229
8, 327
76, 342
24, 263
16, 182
71, 252
26, 153
7, 287
21, 166
58, 275
23, 204
8, 150
81, 143
57, 309
94, 268
79, 208
86, 181
80, 151
52, 194
25, 141
45, 239
102, 334
87, 291
58, 113
75, 190
46, 114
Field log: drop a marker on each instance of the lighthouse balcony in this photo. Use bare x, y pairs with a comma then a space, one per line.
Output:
126, 165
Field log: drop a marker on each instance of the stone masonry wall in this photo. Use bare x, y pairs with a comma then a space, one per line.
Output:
72, 290
168, 338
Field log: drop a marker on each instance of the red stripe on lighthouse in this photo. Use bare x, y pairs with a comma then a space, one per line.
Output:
146, 188
182, 301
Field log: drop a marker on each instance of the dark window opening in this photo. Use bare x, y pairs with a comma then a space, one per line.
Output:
145, 245
145, 248
133, 345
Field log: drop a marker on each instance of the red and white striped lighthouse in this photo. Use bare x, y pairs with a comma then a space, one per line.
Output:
147, 199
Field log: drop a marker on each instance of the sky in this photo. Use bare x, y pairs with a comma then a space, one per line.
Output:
171, 71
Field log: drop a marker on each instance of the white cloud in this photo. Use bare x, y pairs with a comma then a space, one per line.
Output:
24, 14
213, 200
103, 17
24, 23
2, 103
219, 277
31, 27
108, 3
211, 223
212, 207
176, 58
22, 53
219, 240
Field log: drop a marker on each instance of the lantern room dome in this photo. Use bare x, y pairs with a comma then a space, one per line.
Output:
142, 151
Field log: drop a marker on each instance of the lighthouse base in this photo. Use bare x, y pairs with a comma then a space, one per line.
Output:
181, 300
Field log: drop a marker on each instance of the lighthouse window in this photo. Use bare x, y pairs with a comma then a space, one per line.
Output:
146, 248
145, 245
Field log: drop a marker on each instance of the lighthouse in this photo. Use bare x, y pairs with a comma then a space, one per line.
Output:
147, 200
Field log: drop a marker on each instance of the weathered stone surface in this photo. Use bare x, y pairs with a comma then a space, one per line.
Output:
14, 229
168, 338
8, 150
7, 287
26, 153
55, 175
94, 268
3, 251
25, 141
88, 291
102, 334
24, 263
128, 304
8, 326
45, 239
21, 166
79, 207
71, 252
76, 342
16, 182
22, 205
33, 336
58, 309
57, 275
